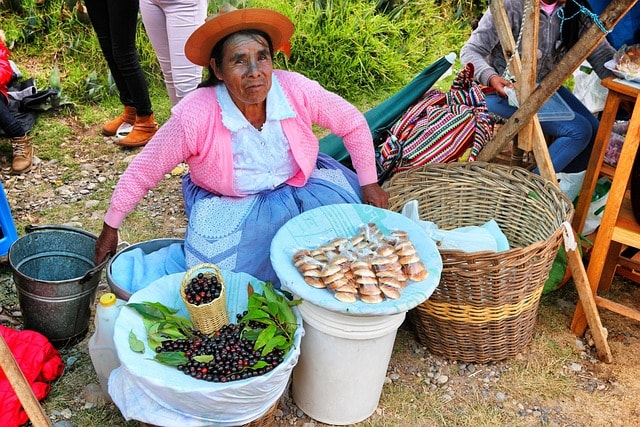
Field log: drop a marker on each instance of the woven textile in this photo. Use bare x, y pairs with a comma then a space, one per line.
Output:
440, 128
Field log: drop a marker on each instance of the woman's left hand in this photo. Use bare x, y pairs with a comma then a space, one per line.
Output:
373, 194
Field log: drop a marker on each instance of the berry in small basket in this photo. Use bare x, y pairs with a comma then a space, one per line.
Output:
202, 289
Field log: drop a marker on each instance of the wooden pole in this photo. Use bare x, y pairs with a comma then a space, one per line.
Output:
570, 62
525, 81
526, 84
21, 386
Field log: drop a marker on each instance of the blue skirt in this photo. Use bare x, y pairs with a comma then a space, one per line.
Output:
235, 233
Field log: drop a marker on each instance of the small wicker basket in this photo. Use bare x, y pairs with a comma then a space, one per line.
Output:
485, 305
210, 317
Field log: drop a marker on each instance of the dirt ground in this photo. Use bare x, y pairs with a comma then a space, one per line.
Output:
555, 380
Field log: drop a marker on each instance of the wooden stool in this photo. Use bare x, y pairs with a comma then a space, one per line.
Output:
618, 227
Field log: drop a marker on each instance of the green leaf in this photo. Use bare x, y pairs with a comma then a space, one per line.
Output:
277, 341
170, 330
206, 358
259, 364
171, 358
154, 342
147, 311
256, 314
264, 337
135, 344
251, 334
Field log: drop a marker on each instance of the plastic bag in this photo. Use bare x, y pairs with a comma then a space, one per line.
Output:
587, 88
596, 208
571, 184
487, 237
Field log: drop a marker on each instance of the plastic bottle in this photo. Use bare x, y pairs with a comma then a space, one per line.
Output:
102, 349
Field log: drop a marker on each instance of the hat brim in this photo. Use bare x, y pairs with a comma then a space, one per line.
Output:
200, 44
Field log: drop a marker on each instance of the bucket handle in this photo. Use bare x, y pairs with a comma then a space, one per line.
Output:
95, 270
89, 274
32, 228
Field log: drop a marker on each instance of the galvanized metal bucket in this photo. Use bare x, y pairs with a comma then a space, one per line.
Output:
56, 279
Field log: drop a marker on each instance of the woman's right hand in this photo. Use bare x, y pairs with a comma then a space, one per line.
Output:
106, 244
499, 83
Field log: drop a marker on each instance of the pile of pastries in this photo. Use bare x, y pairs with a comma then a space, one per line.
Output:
627, 60
369, 266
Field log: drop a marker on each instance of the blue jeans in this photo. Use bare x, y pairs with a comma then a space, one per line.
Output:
573, 139
115, 23
8, 123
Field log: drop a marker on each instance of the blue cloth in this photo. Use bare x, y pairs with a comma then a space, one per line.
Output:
134, 269
235, 233
571, 148
627, 30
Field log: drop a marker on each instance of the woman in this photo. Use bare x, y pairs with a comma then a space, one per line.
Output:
20, 141
560, 26
253, 157
115, 23
168, 24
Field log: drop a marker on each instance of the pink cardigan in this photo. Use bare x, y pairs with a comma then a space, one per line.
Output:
196, 135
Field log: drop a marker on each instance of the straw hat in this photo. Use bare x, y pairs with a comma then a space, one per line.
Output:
229, 20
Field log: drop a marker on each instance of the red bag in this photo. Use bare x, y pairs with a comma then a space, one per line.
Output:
440, 128
39, 361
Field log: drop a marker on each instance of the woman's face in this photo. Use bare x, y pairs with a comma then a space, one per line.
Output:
245, 69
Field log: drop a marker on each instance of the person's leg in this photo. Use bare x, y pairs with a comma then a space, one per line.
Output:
155, 25
8, 122
183, 18
123, 35
20, 141
573, 138
499, 106
580, 162
123, 23
98, 11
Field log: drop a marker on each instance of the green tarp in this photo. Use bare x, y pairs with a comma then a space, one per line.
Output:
384, 115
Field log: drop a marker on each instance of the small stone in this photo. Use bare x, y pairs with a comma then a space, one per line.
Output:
442, 379
94, 395
63, 423
394, 377
576, 367
299, 413
500, 396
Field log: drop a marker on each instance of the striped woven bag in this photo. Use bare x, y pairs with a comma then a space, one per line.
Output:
440, 128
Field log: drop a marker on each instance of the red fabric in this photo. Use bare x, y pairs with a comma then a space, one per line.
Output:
5, 69
39, 361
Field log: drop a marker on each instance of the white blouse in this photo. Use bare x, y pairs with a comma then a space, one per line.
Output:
262, 159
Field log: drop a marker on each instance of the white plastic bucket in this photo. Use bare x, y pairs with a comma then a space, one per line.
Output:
343, 363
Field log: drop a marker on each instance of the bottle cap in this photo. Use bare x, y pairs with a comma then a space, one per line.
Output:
108, 299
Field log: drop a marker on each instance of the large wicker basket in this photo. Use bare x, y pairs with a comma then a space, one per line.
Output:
485, 307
